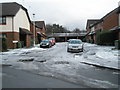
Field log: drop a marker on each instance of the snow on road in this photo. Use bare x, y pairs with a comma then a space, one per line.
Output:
57, 62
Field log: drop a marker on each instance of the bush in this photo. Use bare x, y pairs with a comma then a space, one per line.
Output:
117, 44
105, 38
19, 45
4, 44
91, 41
84, 40
87, 40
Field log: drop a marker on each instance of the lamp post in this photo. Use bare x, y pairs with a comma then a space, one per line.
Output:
33, 30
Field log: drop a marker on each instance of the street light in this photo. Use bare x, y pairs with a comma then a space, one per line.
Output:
33, 30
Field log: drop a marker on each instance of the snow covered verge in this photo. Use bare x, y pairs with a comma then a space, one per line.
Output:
101, 56
13, 56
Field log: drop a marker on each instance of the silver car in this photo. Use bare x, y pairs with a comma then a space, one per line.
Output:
75, 45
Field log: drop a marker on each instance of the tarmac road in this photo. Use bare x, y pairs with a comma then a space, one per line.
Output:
15, 78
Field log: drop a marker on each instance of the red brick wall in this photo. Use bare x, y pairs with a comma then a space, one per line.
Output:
32, 27
111, 21
99, 26
28, 40
10, 37
94, 37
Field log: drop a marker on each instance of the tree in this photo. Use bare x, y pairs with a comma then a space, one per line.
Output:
55, 28
48, 29
76, 30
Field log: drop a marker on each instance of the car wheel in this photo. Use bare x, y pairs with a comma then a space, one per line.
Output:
82, 50
68, 50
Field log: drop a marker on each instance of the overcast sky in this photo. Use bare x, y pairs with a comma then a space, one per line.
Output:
69, 13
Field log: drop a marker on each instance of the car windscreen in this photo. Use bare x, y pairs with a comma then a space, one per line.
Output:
45, 41
75, 42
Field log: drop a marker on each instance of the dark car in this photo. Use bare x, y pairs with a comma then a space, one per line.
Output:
45, 43
52, 40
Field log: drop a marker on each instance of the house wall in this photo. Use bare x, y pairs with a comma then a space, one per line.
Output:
99, 26
32, 27
88, 30
94, 38
11, 29
21, 21
28, 39
119, 35
10, 37
111, 21
119, 19
43, 30
8, 26
92, 29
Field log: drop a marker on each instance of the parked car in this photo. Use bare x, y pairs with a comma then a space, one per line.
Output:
52, 40
45, 43
75, 45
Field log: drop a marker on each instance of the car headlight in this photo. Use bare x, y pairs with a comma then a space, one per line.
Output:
69, 46
47, 44
80, 46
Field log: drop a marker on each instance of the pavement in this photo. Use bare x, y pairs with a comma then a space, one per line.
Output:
101, 66
15, 78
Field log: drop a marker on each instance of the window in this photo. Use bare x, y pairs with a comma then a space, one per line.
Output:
3, 35
2, 20
75, 42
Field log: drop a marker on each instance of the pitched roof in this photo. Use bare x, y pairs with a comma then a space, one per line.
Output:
25, 31
11, 9
116, 10
113, 11
40, 24
91, 22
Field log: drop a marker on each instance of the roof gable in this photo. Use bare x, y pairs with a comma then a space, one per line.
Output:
91, 22
40, 24
10, 9
108, 14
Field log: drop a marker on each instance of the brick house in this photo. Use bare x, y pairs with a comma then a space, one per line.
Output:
111, 20
39, 27
15, 24
90, 29
108, 22
116, 29
40, 31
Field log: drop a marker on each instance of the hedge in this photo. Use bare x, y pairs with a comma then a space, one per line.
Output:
84, 40
105, 38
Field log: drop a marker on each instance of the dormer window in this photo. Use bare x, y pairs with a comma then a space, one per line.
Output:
2, 20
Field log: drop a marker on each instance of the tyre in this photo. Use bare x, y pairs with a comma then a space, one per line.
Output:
82, 50
68, 50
